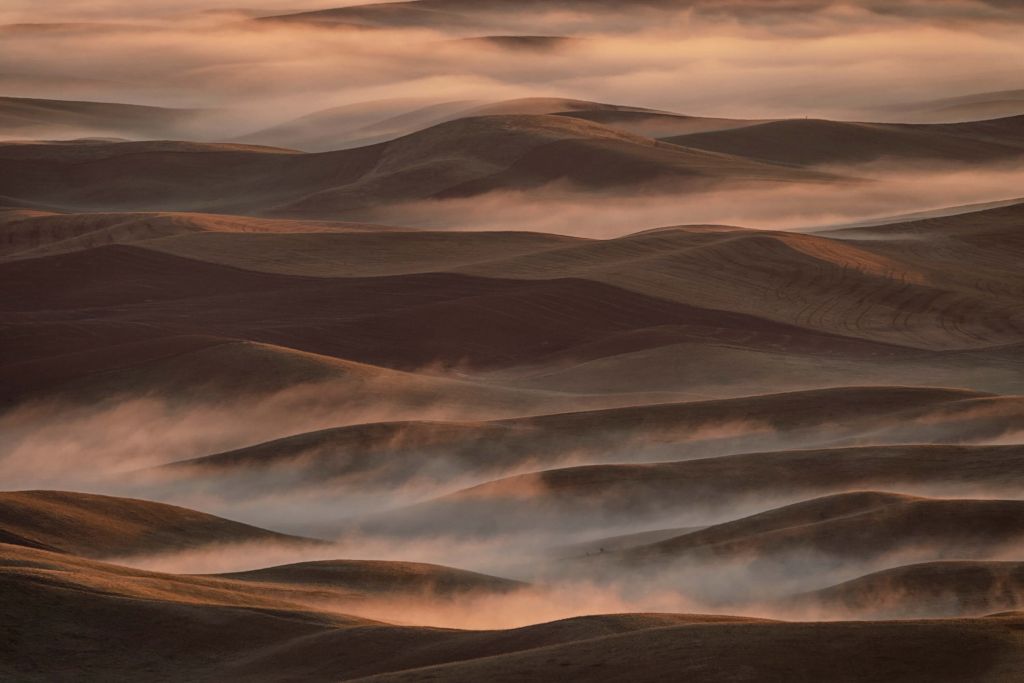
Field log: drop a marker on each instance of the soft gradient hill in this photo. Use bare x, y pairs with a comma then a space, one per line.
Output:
104, 526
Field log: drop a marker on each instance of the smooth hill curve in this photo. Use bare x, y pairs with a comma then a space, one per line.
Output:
859, 526
808, 142
602, 161
388, 453
241, 634
978, 227
356, 125
104, 526
708, 370
462, 157
239, 630
40, 233
24, 118
910, 652
650, 123
472, 320
691, 492
378, 577
928, 590
960, 289
199, 378
922, 295
973, 107
366, 253
374, 122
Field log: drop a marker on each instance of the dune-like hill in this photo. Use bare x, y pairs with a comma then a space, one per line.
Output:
457, 158
869, 288
32, 234
858, 526
25, 118
386, 453
978, 249
377, 577
809, 142
440, 14
618, 542
694, 491
239, 631
959, 290
457, 14
970, 250
982, 650
987, 226
785, 412
956, 291
1006, 129
298, 586
147, 176
512, 340
656, 124
954, 299
708, 369
973, 107
42, 358
461, 15
295, 391
370, 454
105, 526
929, 589
536, 106
479, 154
355, 125
650, 123
941, 212
61, 576
371, 320
88, 601
383, 15
341, 254
84, 150
590, 155
376, 121
520, 43
183, 367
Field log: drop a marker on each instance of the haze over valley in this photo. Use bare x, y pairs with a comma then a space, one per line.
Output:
512, 341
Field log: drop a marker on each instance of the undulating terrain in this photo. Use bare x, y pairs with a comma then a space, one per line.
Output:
479, 340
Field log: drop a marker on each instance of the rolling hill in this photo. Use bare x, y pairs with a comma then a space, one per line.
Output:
393, 453
512, 340
378, 578
856, 527
373, 122
697, 492
238, 633
105, 526
26, 118
807, 142
930, 589
458, 158
369, 320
